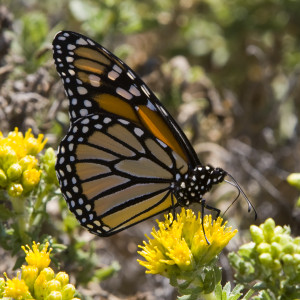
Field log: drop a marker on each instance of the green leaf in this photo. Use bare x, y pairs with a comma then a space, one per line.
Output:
107, 272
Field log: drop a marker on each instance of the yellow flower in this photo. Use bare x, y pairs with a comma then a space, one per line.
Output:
38, 281
18, 164
180, 245
31, 178
23, 146
17, 289
35, 257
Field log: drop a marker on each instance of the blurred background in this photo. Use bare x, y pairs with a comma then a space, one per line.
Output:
228, 71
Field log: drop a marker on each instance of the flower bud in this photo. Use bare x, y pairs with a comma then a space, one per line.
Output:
297, 241
266, 259
63, 278
54, 295
53, 285
28, 162
30, 274
277, 265
48, 273
68, 291
276, 249
282, 239
32, 146
289, 248
15, 190
294, 179
256, 234
7, 156
246, 249
48, 165
14, 172
278, 230
288, 259
40, 286
288, 264
3, 179
297, 259
268, 229
263, 248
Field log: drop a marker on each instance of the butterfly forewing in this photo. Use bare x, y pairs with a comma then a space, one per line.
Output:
97, 81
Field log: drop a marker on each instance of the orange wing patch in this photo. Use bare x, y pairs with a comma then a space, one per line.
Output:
154, 122
116, 106
90, 66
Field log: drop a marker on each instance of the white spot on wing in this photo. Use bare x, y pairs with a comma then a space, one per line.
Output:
123, 93
117, 69
130, 75
94, 80
125, 122
91, 42
83, 112
151, 106
71, 47
113, 75
145, 90
69, 59
138, 131
81, 41
162, 143
81, 90
133, 90
87, 103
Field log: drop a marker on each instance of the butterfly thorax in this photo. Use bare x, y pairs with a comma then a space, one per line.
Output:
196, 182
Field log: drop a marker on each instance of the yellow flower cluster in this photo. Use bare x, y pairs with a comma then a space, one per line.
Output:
180, 245
18, 163
38, 280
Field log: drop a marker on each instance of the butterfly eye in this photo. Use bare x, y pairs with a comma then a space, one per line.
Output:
124, 158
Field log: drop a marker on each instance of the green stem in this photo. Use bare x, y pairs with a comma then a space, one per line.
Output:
21, 214
38, 203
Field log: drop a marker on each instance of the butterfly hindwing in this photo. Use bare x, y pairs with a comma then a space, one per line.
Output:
114, 174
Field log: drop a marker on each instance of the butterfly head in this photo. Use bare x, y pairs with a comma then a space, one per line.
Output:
195, 183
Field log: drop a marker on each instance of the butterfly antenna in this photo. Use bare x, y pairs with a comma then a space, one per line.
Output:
240, 191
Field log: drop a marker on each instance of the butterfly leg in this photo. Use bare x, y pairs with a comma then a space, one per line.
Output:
202, 218
211, 208
172, 210
204, 205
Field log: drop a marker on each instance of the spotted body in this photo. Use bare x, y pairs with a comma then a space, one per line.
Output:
124, 158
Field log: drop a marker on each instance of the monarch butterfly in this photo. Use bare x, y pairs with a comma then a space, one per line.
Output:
124, 158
